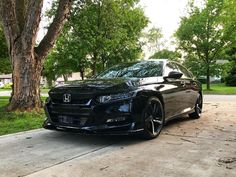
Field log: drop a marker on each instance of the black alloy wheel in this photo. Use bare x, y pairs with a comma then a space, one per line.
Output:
153, 117
197, 109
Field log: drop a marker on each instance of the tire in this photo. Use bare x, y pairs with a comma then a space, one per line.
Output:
153, 118
197, 109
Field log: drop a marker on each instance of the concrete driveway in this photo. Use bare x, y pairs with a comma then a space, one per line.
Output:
198, 148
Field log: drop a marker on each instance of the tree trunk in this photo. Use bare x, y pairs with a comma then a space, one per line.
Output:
94, 64
82, 74
94, 69
208, 77
21, 23
65, 77
26, 82
49, 83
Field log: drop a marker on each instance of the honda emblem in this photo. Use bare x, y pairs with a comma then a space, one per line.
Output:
67, 98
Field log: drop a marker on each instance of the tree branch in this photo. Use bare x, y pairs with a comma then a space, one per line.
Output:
20, 13
54, 29
32, 21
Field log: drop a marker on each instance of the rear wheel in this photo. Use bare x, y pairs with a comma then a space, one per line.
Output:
153, 117
197, 109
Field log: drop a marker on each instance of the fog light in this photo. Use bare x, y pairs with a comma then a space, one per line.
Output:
124, 108
48, 123
118, 119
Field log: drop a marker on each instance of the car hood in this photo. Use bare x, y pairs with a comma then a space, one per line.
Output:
82, 91
110, 85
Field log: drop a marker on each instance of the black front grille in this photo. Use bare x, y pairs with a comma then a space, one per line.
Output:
70, 114
75, 98
72, 120
69, 109
69, 120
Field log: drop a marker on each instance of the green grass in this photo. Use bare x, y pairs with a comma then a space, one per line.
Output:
4, 89
13, 122
219, 89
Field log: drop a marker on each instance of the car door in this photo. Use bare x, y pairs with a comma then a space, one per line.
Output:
188, 83
173, 92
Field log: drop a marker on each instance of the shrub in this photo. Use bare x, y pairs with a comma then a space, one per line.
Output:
7, 86
230, 80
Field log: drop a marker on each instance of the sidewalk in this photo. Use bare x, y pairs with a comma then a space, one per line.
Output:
8, 93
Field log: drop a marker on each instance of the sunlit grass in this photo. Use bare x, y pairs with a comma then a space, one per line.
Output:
219, 89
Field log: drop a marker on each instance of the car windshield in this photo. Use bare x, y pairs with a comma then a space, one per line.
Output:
134, 70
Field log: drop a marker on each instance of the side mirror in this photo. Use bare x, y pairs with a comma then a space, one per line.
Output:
174, 75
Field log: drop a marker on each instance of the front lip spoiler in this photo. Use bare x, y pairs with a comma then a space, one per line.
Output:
92, 130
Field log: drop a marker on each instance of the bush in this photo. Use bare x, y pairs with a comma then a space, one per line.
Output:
230, 80
7, 86
202, 80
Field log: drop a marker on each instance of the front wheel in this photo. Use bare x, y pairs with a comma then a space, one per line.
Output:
153, 118
197, 109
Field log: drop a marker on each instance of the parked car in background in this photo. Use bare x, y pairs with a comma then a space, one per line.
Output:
137, 97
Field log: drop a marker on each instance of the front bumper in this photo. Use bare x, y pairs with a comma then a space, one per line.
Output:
101, 130
116, 118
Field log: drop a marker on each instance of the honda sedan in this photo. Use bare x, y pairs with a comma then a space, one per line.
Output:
137, 97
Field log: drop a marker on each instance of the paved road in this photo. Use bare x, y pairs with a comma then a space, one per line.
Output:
219, 98
197, 148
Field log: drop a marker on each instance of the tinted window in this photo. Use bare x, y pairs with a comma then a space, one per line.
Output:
138, 69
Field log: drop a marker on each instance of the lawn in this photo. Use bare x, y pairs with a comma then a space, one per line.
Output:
12, 122
219, 89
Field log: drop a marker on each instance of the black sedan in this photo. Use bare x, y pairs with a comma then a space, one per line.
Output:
136, 97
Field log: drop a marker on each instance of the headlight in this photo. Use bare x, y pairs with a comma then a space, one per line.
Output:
115, 97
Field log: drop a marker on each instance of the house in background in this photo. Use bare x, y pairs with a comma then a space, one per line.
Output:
6, 78
71, 77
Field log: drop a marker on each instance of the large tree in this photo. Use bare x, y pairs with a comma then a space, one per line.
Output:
20, 19
108, 31
153, 41
167, 54
205, 32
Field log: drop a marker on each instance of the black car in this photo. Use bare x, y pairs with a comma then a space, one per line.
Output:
136, 97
